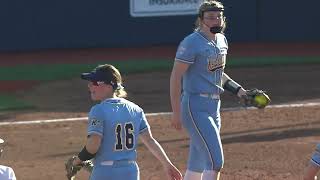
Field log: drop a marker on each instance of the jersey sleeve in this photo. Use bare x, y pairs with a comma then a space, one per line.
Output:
7, 173
186, 51
11, 174
144, 125
95, 121
223, 44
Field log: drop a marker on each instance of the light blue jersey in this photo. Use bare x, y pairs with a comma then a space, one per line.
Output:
208, 59
200, 102
119, 122
315, 159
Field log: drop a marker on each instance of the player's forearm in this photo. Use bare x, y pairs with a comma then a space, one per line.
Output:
93, 143
225, 77
155, 148
175, 91
90, 149
158, 151
232, 86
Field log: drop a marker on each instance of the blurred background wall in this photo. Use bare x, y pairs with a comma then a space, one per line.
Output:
38, 24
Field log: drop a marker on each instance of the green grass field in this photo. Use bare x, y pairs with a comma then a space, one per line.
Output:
10, 102
50, 72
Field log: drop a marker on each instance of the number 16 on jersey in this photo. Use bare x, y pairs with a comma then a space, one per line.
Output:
124, 132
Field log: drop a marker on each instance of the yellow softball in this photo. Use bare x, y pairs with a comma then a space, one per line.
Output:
261, 100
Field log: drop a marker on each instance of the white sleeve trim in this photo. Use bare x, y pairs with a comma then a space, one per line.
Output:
185, 61
143, 130
95, 132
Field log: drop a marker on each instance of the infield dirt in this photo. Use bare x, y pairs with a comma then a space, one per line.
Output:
258, 144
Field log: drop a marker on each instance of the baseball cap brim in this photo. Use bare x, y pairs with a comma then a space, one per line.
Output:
87, 76
93, 76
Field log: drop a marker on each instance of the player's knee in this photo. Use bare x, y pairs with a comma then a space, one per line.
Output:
218, 165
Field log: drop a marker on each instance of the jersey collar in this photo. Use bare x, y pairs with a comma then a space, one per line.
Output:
112, 100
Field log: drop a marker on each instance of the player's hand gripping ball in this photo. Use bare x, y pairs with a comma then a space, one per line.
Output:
256, 98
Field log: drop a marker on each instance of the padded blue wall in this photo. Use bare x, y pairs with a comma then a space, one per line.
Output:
37, 24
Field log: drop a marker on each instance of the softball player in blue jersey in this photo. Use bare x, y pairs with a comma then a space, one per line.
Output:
6, 172
199, 64
314, 166
114, 126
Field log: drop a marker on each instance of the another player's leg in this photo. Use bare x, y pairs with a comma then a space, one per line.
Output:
314, 165
209, 130
213, 171
195, 165
310, 172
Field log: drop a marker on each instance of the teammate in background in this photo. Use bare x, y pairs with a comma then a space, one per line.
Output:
199, 64
114, 126
6, 173
314, 165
